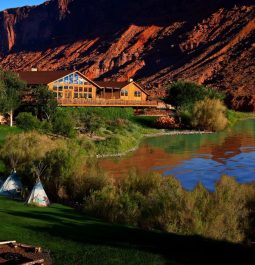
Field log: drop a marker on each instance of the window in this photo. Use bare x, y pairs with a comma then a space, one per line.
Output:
80, 89
60, 94
66, 87
76, 95
137, 94
90, 89
72, 79
55, 88
60, 88
76, 89
124, 93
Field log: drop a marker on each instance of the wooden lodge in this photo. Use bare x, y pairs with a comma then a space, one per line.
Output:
73, 89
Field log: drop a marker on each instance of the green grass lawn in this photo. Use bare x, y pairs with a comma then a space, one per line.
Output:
75, 239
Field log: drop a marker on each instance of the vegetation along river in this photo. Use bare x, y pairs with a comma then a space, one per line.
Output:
194, 158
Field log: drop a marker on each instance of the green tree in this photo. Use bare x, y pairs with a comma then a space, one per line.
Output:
44, 102
185, 94
63, 124
11, 90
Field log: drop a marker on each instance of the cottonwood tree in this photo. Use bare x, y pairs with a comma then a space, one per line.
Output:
11, 89
44, 102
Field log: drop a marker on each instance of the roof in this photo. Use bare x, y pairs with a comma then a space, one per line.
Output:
111, 84
117, 85
46, 77
42, 77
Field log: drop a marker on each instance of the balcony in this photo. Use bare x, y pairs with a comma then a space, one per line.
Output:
81, 102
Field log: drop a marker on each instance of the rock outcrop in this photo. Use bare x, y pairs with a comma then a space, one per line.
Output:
157, 41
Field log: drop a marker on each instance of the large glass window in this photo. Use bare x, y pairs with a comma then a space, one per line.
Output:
72, 79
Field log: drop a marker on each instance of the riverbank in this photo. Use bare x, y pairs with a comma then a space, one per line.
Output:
154, 134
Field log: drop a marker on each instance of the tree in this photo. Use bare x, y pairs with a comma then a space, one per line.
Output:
44, 102
11, 89
209, 114
185, 94
63, 124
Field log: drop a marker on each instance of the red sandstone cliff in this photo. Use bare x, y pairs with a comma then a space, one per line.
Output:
157, 41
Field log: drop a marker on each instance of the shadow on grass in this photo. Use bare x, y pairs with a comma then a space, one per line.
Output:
184, 250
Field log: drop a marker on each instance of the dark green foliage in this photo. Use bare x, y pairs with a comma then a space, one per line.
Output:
185, 94
11, 91
27, 121
44, 102
63, 124
90, 122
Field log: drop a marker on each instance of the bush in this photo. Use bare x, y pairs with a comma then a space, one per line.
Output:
167, 122
63, 124
90, 123
209, 114
27, 121
185, 94
153, 202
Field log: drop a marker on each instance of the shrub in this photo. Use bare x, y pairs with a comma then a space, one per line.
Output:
228, 215
209, 114
27, 121
63, 124
167, 122
185, 94
90, 123
63, 165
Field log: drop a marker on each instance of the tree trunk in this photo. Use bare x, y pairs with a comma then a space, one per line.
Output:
11, 118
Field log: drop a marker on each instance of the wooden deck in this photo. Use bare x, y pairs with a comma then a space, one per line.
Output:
105, 103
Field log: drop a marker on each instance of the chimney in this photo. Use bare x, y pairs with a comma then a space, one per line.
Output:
131, 80
34, 69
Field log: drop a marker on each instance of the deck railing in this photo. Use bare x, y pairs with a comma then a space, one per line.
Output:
66, 102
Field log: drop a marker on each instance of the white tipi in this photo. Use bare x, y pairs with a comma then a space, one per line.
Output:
12, 187
38, 196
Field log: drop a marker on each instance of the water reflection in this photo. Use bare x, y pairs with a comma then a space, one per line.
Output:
194, 158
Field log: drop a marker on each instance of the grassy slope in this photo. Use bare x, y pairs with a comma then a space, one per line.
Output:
6, 130
75, 239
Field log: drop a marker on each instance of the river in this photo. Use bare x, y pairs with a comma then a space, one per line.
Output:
193, 158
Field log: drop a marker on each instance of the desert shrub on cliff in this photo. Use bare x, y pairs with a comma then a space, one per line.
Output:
209, 114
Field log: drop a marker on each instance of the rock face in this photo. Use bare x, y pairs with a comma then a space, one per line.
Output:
156, 41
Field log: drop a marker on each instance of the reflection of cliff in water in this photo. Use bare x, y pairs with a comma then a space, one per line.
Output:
170, 151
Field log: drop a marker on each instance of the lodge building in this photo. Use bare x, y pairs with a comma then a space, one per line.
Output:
74, 89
